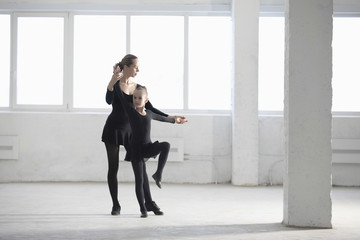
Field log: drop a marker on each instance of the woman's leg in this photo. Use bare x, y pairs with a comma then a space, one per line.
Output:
139, 168
113, 162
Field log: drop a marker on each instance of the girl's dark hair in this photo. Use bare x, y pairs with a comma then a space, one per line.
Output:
127, 61
139, 87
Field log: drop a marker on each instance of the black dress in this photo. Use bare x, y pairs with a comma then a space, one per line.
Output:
117, 129
140, 143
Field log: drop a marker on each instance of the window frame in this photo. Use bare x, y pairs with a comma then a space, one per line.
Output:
69, 10
68, 78
339, 11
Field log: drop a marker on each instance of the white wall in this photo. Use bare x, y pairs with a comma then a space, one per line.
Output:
271, 151
68, 147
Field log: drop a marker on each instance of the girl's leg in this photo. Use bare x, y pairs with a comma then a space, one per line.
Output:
149, 203
163, 148
113, 162
146, 187
138, 168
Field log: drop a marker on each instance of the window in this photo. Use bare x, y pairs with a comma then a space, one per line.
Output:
210, 63
99, 42
4, 60
346, 72
158, 41
271, 63
40, 58
63, 60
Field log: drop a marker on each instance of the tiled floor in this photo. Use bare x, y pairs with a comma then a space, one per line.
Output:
81, 211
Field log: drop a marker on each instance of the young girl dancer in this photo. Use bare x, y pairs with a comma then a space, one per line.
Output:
141, 145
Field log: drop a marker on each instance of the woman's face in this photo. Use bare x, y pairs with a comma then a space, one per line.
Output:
133, 69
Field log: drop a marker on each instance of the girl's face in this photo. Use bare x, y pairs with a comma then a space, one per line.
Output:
140, 98
133, 69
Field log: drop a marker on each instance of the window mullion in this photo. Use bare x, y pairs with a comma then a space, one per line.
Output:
186, 62
13, 56
68, 62
128, 33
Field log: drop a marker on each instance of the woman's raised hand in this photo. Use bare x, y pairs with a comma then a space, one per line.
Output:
117, 74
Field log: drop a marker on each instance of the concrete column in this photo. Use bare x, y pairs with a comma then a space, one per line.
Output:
245, 138
308, 94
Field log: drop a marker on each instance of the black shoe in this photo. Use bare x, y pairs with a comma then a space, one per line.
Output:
152, 207
116, 210
157, 180
143, 214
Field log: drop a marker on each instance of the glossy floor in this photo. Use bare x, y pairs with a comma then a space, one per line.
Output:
82, 211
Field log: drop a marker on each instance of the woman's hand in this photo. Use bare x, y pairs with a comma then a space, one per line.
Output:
179, 119
117, 74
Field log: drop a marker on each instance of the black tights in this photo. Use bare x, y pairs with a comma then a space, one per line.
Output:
139, 168
113, 162
163, 148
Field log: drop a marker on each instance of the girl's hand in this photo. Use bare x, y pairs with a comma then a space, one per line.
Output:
180, 119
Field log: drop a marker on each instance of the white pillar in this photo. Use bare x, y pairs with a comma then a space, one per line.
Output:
245, 138
308, 94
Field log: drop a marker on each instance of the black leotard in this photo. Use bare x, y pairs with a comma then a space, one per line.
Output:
117, 128
140, 126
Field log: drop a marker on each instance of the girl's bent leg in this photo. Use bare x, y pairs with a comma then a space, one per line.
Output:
164, 148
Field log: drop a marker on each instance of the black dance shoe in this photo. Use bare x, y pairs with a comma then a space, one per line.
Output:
152, 207
115, 210
157, 180
143, 214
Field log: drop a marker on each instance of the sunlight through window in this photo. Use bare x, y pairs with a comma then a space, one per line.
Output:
4, 60
271, 63
99, 42
158, 42
346, 72
40, 60
210, 63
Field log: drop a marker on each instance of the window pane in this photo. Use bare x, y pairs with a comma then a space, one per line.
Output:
40, 60
271, 63
346, 73
209, 63
99, 42
4, 60
158, 42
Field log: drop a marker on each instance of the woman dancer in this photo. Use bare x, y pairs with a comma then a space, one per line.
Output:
117, 130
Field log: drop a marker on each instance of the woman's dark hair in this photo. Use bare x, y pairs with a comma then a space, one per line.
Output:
127, 61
